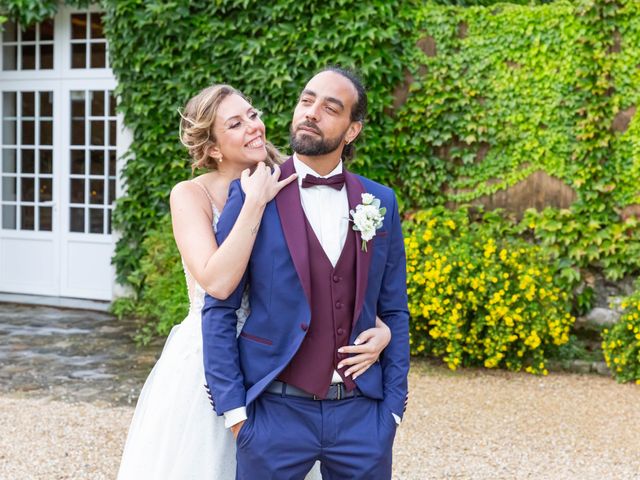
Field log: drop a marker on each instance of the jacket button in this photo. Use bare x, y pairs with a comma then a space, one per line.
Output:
336, 278
338, 305
304, 327
340, 331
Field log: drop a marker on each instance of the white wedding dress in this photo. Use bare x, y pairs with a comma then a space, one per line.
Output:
175, 434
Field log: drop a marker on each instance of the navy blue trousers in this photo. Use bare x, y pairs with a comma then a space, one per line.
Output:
285, 435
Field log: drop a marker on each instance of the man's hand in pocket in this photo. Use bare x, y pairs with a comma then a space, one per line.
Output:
235, 429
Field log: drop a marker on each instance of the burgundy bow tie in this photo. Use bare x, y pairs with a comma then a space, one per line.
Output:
334, 181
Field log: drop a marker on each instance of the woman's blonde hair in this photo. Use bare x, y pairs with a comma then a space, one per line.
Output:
196, 127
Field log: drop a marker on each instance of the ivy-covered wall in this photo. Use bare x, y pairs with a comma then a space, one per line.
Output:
465, 100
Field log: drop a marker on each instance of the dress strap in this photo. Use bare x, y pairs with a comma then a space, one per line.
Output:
206, 192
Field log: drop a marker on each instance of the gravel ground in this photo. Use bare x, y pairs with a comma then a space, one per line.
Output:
460, 425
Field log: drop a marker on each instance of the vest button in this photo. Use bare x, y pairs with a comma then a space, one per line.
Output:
336, 278
340, 331
304, 327
338, 305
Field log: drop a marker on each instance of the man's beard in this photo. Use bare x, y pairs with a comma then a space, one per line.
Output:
305, 144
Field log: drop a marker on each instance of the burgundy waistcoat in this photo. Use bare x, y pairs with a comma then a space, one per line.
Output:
333, 292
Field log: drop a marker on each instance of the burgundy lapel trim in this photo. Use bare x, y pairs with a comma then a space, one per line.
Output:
355, 189
292, 221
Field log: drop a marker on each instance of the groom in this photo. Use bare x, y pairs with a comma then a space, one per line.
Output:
315, 283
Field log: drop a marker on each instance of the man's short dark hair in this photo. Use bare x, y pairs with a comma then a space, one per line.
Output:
358, 109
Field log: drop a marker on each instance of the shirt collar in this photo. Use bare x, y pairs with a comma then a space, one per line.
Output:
302, 169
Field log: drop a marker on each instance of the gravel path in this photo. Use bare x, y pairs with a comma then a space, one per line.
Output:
460, 425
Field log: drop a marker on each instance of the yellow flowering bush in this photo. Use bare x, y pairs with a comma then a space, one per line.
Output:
479, 295
621, 343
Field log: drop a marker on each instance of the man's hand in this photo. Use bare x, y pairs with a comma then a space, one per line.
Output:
235, 429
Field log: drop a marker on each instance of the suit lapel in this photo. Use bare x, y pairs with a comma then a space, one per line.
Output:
355, 189
292, 221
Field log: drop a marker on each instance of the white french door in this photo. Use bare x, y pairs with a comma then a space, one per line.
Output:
61, 139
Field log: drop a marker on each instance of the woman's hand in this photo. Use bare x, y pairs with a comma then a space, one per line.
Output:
262, 185
366, 349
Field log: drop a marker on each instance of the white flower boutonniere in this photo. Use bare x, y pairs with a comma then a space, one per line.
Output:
367, 218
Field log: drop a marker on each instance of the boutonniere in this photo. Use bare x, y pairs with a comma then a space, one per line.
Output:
367, 218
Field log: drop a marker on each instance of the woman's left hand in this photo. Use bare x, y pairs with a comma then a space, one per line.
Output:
366, 349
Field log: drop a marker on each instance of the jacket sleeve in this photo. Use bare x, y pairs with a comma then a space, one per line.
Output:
393, 309
224, 378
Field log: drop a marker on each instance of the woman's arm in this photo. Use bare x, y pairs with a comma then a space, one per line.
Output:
366, 349
219, 269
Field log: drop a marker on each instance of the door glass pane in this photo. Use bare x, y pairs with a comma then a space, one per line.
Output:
9, 104
46, 57
112, 105
112, 133
28, 57
46, 189
96, 191
46, 161
79, 26
96, 220
8, 160
97, 104
98, 55
77, 132
9, 217
46, 133
28, 161
28, 104
9, 132
9, 191
77, 105
10, 57
112, 163
77, 161
10, 33
46, 104
112, 191
46, 30
29, 33
27, 218
96, 26
76, 220
28, 189
77, 190
78, 55
97, 132
28, 132
97, 162
45, 219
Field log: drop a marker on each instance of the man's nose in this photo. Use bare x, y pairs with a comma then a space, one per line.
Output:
312, 112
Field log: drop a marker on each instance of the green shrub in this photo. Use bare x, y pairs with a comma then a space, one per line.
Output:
621, 343
162, 299
479, 295
599, 241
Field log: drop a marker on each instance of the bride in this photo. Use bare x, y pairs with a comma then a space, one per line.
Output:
175, 434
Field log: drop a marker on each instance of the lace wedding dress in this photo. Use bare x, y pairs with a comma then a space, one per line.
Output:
175, 434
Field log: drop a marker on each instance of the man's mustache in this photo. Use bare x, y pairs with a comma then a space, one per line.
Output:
310, 125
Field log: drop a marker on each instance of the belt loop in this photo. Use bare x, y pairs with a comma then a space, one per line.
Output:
284, 389
340, 391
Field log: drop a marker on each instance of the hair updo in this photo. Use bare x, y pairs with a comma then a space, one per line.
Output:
196, 127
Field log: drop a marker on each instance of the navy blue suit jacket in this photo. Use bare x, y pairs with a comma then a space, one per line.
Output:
238, 370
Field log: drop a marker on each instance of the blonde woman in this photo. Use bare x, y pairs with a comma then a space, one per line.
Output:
175, 433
